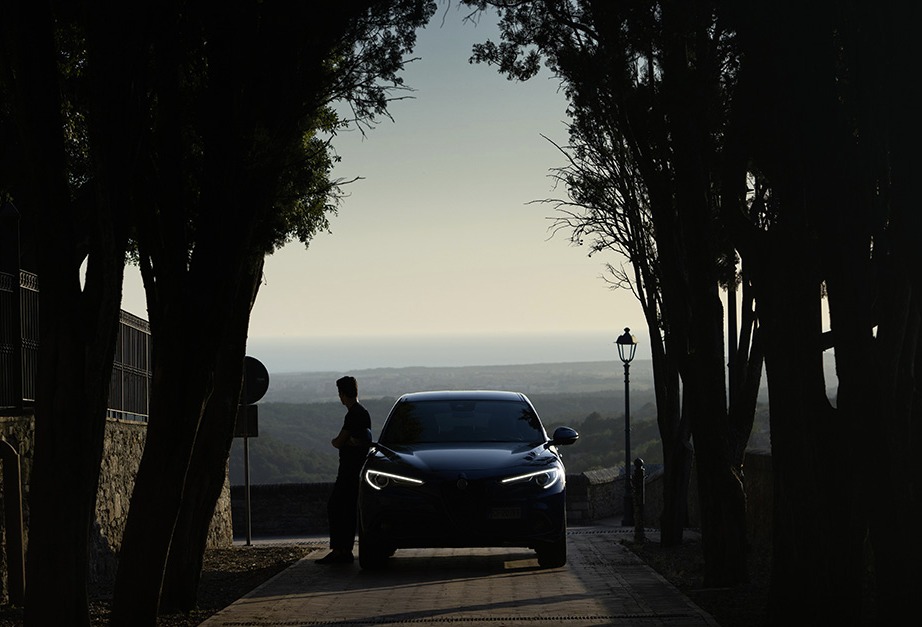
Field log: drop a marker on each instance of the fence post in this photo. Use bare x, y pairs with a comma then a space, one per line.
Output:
11, 339
639, 497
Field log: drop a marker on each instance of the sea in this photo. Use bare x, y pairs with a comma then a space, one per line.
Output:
344, 353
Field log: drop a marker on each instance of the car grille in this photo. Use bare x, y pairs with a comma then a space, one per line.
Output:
465, 501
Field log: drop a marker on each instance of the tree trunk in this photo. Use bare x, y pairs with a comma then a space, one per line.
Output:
794, 142
721, 492
815, 553
179, 366
746, 383
59, 523
678, 458
894, 472
190, 321
895, 517
222, 192
77, 328
203, 484
69, 428
696, 313
192, 310
674, 433
208, 466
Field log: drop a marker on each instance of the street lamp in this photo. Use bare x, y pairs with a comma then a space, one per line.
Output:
627, 346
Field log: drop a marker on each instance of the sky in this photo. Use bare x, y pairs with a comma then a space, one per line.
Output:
438, 255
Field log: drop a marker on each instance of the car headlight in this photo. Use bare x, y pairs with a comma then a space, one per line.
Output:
542, 478
378, 479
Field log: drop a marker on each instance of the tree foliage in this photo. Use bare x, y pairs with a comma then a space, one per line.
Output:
642, 181
203, 132
256, 83
779, 134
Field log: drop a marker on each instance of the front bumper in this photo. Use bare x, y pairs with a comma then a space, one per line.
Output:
463, 513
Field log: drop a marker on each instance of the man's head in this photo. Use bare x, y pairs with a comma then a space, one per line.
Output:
348, 388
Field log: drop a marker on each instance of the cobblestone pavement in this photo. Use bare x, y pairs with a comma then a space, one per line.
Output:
603, 584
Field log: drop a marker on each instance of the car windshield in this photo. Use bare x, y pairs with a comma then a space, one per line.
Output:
462, 421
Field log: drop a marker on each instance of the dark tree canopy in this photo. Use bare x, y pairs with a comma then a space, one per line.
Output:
777, 135
642, 179
202, 133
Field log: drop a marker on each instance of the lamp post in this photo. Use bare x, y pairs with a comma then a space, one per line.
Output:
627, 345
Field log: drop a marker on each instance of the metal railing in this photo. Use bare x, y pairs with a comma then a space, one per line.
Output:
129, 388
28, 324
13, 360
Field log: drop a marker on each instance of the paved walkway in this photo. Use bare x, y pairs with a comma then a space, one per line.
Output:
603, 583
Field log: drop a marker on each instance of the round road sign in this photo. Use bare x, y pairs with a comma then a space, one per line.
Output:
255, 380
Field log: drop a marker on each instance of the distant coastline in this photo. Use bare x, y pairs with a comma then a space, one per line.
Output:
343, 354
574, 378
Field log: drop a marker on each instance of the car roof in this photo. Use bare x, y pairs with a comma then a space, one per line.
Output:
463, 395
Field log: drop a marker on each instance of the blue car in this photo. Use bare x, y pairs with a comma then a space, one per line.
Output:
464, 469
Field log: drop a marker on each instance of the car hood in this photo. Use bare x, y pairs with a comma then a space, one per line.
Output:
475, 457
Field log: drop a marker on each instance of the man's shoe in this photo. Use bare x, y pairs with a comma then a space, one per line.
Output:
334, 557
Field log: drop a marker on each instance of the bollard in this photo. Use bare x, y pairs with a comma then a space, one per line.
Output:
639, 493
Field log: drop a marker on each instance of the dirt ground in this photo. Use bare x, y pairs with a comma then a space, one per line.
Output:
683, 566
228, 574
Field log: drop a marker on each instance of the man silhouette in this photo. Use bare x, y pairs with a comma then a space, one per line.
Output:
353, 442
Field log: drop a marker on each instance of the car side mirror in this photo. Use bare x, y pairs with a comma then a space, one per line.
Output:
564, 435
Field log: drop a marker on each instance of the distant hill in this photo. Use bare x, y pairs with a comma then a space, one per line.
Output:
301, 413
580, 377
293, 445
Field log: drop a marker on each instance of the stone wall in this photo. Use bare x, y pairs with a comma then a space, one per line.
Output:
122, 451
300, 509
290, 509
122, 448
296, 509
653, 500
18, 432
594, 495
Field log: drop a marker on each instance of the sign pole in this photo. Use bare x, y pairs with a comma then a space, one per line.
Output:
255, 384
246, 486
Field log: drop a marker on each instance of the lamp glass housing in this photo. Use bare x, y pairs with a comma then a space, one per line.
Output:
627, 346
